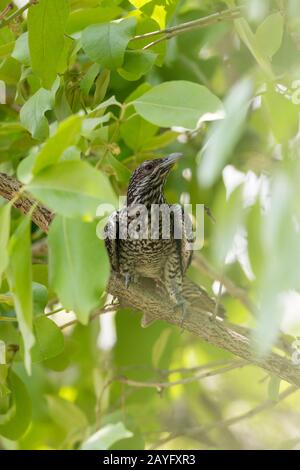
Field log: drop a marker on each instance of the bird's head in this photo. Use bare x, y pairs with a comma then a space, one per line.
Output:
147, 181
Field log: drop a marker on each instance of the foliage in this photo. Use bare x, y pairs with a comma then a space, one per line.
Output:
85, 103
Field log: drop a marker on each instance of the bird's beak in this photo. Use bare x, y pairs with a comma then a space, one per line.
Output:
170, 160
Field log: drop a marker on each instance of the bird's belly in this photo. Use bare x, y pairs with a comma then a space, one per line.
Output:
148, 257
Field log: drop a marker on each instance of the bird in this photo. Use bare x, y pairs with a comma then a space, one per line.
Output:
135, 238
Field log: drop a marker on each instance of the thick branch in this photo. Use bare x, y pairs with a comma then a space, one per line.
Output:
155, 306
220, 333
10, 190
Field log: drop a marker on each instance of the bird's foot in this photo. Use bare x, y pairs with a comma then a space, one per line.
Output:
130, 279
114, 301
182, 305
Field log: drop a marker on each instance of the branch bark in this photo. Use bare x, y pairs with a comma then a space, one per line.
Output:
145, 297
10, 189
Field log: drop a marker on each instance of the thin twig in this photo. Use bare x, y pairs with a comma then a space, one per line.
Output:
216, 310
266, 405
108, 309
190, 25
6, 10
234, 290
54, 312
162, 385
179, 370
17, 13
159, 386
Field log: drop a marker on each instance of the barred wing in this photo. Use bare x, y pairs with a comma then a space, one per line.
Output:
111, 232
186, 231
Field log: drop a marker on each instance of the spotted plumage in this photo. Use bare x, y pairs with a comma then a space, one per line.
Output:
143, 250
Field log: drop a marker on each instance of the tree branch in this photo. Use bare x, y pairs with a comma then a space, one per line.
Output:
6, 10
187, 380
10, 189
145, 297
266, 405
168, 33
220, 333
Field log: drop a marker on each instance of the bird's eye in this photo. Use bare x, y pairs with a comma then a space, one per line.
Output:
149, 167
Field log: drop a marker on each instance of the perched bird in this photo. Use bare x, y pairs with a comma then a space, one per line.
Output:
135, 238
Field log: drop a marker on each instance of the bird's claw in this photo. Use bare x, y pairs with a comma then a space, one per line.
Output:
183, 305
129, 279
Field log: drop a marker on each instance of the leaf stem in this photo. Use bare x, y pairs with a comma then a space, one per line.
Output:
17, 13
168, 33
6, 10
107, 309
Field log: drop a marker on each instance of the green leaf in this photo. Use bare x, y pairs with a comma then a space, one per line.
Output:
106, 43
245, 32
269, 34
5, 212
10, 71
136, 132
6, 49
256, 250
89, 78
119, 169
40, 297
139, 3
2, 361
67, 134
21, 50
46, 27
160, 141
32, 114
4, 389
70, 154
136, 64
69, 47
146, 25
101, 84
159, 347
24, 170
83, 17
78, 265
49, 339
179, 103
20, 282
223, 135
90, 124
72, 189
18, 417
229, 214
282, 115
282, 275
106, 437
68, 417
62, 107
